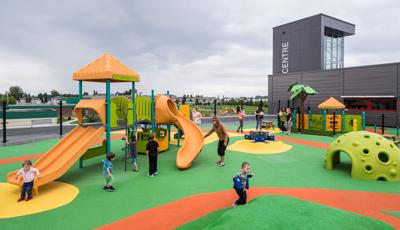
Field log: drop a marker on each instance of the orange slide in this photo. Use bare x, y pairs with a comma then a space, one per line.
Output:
167, 113
62, 156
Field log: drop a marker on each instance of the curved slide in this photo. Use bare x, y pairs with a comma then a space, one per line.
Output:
167, 113
62, 156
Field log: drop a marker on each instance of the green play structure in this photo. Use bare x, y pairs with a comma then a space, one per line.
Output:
323, 123
373, 157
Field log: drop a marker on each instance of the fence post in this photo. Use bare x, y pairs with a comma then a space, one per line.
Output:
383, 124
4, 122
61, 116
309, 119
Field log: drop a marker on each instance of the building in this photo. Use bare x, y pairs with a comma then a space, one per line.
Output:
310, 51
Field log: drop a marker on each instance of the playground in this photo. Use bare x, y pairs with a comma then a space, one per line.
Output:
302, 181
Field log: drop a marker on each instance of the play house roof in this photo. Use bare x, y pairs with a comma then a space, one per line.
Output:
331, 103
106, 67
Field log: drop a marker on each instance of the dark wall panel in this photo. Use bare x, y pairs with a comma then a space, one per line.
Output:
371, 80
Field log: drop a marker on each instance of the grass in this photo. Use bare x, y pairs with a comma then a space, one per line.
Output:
281, 212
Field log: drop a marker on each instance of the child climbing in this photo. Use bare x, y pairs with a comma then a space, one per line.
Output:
240, 116
223, 137
241, 183
107, 172
133, 152
152, 149
28, 175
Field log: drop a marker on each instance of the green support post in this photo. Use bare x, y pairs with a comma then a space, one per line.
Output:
324, 123
343, 120
309, 119
169, 128
80, 97
179, 131
363, 120
108, 105
294, 118
152, 111
133, 109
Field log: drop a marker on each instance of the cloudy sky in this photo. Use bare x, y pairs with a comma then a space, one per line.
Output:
212, 47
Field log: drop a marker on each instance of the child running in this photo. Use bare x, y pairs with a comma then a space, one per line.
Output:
241, 183
223, 137
152, 149
28, 175
107, 172
133, 151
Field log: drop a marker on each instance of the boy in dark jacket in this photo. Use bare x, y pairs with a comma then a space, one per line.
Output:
152, 153
241, 183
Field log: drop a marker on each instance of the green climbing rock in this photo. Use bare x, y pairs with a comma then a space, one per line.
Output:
373, 157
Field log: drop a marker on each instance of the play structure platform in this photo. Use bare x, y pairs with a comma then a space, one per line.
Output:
77, 142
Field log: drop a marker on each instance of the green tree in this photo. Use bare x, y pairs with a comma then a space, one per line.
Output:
45, 98
251, 101
40, 96
16, 92
54, 93
10, 100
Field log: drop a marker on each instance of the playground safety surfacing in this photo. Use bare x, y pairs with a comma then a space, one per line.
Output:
53, 195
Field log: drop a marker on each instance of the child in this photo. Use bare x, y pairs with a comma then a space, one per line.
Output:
241, 183
133, 152
152, 153
28, 175
107, 172
223, 137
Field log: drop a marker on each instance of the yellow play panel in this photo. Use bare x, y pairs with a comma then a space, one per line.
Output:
248, 146
51, 196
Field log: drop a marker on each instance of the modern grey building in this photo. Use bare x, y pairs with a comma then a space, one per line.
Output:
310, 51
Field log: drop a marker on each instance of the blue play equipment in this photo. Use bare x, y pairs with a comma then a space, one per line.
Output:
259, 136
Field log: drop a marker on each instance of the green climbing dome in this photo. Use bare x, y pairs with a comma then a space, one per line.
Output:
373, 156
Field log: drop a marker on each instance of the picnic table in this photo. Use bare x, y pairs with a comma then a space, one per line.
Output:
393, 138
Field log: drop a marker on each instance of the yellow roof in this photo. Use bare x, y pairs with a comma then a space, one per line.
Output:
105, 68
331, 103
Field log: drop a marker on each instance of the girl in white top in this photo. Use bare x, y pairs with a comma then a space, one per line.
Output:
28, 175
196, 115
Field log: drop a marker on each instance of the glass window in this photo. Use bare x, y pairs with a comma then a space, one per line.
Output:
371, 104
333, 49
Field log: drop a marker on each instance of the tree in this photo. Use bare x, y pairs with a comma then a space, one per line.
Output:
40, 96
16, 92
196, 101
184, 99
45, 98
251, 101
54, 93
301, 91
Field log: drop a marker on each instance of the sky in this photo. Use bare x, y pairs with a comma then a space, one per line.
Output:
209, 47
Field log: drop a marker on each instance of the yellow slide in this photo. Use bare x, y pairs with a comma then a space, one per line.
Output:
166, 113
62, 156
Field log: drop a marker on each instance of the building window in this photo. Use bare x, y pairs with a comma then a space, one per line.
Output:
333, 48
371, 104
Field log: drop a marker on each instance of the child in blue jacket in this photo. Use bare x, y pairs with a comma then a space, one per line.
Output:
241, 183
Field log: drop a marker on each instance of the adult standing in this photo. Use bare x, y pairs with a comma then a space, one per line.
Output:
283, 119
240, 116
259, 118
289, 120
223, 138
